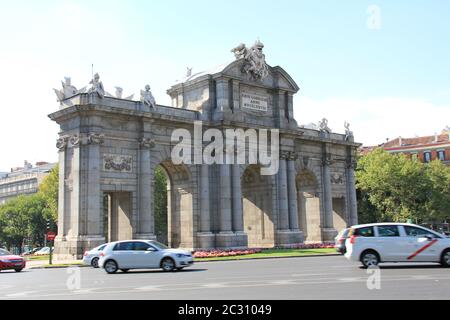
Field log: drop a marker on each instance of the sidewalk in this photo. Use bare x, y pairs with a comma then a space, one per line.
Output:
37, 264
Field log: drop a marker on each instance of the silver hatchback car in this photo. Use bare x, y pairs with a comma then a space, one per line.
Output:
142, 254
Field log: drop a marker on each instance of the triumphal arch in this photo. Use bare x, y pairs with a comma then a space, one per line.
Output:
109, 147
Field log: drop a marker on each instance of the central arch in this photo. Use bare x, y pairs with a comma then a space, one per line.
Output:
258, 208
173, 226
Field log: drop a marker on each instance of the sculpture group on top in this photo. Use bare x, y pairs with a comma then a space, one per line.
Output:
254, 60
97, 88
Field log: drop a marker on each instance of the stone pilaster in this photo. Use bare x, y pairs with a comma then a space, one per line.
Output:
205, 236
351, 192
145, 225
328, 231
292, 193
63, 225
94, 222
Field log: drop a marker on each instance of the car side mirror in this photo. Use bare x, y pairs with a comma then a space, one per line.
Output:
151, 249
429, 237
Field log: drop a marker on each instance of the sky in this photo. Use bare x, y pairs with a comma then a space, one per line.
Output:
383, 66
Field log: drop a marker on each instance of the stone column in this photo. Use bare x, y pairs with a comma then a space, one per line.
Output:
145, 227
292, 193
222, 99
225, 237
351, 192
328, 231
205, 236
63, 224
94, 222
283, 208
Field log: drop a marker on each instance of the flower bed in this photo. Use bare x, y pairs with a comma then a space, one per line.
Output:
223, 253
239, 252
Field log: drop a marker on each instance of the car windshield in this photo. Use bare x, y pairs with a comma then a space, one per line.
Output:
3, 252
159, 245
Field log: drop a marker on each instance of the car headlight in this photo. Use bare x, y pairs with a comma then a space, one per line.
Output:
180, 255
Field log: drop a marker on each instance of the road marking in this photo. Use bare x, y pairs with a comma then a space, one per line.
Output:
422, 249
215, 285
20, 294
149, 288
281, 282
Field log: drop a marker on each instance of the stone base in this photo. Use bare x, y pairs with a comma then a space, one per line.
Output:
73, 248
145, 236
205, 240
285, 238
231, 240
328, 234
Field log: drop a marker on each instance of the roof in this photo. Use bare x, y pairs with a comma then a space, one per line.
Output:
38, 169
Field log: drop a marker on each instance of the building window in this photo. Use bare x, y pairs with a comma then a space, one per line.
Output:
414, 156
441, 155
427, 156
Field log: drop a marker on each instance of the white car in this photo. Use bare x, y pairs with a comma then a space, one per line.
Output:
142, 254
42, 252
91, 257
396, 242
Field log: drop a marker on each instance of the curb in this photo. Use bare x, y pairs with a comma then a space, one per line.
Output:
58, 267
280, 257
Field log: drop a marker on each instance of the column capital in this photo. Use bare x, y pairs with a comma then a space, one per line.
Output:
147, 143
327, 159
75, 140
351, 163
62, 142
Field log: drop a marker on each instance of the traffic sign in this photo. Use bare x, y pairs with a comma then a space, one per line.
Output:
51, 235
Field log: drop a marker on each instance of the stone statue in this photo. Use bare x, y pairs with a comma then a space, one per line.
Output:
348, 133
188, 72
97, 86
323, 126
240, 51
119, 92
147, 97
68, 90
254, 60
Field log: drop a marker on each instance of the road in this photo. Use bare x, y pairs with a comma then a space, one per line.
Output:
281, 279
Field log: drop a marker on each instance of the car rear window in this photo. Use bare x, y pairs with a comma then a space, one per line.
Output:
364, 232
123, 246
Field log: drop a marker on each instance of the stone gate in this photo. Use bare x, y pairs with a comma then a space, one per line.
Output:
109, 148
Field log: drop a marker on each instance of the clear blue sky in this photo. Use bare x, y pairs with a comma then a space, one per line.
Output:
326, 46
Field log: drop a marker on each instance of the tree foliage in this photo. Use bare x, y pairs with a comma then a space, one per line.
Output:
392, 187
24, 218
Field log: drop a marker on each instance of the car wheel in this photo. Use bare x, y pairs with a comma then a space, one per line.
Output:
94, 262
110, 266
18, 270
370, 258
125, 270
167, 264
445, 258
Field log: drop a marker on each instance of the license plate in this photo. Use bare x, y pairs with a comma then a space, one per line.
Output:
18, 264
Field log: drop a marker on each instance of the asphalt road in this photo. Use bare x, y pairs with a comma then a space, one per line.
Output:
281, 279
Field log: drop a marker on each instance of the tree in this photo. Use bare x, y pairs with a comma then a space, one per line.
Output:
160, 203
14, 222
48, 189
438, 205
395, 186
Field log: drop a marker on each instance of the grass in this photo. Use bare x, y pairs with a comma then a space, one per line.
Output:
37, 258
274, 253
62, 265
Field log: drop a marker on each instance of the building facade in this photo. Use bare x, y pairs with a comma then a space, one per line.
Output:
109, 148
424, 149
23, 180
